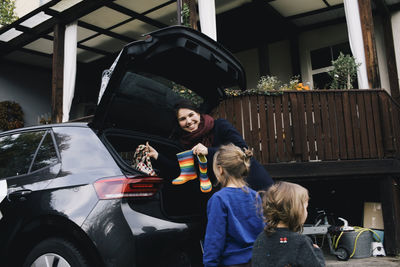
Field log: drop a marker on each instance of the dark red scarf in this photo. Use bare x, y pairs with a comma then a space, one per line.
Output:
203, 134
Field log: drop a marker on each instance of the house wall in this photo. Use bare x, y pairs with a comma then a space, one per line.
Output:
279, 62
396, 38
249, 60
29, 87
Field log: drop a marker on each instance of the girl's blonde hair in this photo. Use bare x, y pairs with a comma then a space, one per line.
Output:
284, 202
235, 162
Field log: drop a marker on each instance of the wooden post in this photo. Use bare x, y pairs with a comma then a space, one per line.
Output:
193, 13
263, 59
57, 74
390, 198
367, 27
295, 56
389, 48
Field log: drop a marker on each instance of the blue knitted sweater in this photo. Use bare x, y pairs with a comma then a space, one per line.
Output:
234, 222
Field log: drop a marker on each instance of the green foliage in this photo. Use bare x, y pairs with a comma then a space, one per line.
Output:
344, 72
185, 15
269, 85
7, 15
11, 115
187, 94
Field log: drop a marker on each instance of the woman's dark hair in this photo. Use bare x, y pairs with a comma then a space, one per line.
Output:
185, 103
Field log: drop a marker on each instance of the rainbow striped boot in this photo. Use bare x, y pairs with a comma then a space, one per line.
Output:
205, 183
186, 162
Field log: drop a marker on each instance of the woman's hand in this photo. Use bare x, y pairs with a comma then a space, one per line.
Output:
152, 152
200, 149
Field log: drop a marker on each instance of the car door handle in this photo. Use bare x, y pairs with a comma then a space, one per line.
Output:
19, 194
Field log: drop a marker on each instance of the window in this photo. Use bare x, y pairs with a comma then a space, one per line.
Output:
17, 152
46, 154
321, 63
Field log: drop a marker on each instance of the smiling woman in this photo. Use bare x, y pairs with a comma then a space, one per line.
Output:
203, 135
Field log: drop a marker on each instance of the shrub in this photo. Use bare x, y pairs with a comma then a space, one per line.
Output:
11, 115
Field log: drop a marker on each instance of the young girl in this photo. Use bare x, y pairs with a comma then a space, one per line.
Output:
233, 218
281, 244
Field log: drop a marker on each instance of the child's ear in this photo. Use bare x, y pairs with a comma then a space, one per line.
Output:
220, 170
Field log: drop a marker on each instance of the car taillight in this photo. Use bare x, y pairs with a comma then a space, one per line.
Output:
121, 187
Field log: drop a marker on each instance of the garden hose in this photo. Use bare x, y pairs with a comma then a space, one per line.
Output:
360, 230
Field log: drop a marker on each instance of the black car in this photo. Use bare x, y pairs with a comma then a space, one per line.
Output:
72, 197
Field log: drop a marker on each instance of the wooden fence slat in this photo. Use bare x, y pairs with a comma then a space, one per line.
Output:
296, 127
279, 128
289, 155
396, 127
237, 102
310, 126
363, 126
377, 125
230, 116
303, 129
263, 130
348, 126
370, 126
388, 143
326, 127
333, 126
221, 110
355, 124
318, 126
246, 120
340, 125
271, 129
255, 134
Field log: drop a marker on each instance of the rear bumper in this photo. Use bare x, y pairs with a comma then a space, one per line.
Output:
125, 237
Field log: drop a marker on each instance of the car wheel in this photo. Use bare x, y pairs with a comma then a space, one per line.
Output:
55, 252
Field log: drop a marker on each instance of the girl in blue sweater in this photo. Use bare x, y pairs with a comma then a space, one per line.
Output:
234, 220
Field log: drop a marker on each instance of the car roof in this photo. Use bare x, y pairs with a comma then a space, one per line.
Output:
45, 126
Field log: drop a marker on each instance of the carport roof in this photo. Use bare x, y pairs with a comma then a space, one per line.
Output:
105, 26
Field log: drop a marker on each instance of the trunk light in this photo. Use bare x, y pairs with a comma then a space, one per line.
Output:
121, 187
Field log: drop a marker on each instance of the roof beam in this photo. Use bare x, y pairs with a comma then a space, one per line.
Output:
103, 31
134, 14
315, 12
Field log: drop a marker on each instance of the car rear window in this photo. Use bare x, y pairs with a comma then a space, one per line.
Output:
46, 155
17, 152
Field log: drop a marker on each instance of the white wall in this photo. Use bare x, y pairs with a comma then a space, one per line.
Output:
30, 87
396, 38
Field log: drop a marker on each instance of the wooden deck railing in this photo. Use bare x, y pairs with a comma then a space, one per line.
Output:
326, 125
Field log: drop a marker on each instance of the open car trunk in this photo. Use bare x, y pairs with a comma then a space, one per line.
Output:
178, 201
